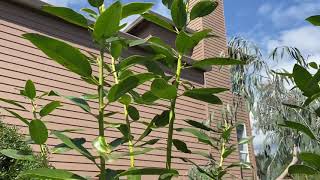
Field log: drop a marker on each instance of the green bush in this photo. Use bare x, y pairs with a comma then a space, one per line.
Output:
11, 139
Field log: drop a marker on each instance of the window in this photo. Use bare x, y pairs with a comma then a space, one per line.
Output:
243, 148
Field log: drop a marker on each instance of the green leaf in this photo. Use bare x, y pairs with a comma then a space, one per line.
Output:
203, 8
314, 65
301, 77
47, 109
95, 3
101, 145
315, 20
90, 96
302, 169
311, 159
245, 140
228, 151
44, 173
127, 85
38, 131
89, 11
135, 8
200, 35
205, 94
108, 22
79, 102
62, 148
216, 61
149, 171
133, 113
148, 97
162, 89
197, 124
124, 129
24, 120
116, 49
167, 3
70, 143
162, 120
202, 137
62, 53
150, 142
19, 155
181, 146
30, 90
158, 20
12, 102
125, 99
179, 13
67, 14
299, 127
184, 42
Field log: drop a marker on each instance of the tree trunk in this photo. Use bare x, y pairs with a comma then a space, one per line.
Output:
294, 161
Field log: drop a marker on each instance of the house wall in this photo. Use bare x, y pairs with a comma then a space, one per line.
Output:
20, 61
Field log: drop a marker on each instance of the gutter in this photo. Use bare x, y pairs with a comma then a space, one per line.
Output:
37, 5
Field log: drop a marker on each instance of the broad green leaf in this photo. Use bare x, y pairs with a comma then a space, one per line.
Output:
315, 20
12, 102
62, 148
133, 113
158, 20
95, 3
125, 99
135, 8
62, 53
19, 155
24, 120
89, 11
302, 169
67, 14
148, 97
216, 61
310, 158
149, 171
202, 137
79, 102
108, 22
127, 85
38, 131
162, 120
301, 77
203, 8
124, 74
47, 109
179, 13
299, 127
184, 42
116, 49
78, 147
197, 124
314, 65
167, 3
198, 94
148, 61
162, 89
30, 90
90, 96
150, 142
44, 173
181, 146
101, 145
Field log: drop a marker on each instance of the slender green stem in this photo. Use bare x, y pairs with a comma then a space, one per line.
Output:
101, 113
125, 111
173, 114
223, 148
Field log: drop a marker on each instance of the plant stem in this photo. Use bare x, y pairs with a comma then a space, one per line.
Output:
125, 111
173, 114
101, 112
222, 152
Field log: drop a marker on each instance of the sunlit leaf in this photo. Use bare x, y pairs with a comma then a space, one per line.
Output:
19, 155
38, 131
158, 20
203, 8
302, 169
179, 13
47, 109
30, 90
45, 173
135, 8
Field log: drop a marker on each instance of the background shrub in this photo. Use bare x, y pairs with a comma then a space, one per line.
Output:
10, 138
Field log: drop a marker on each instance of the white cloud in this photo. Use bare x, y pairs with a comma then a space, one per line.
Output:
305, 38
284, 15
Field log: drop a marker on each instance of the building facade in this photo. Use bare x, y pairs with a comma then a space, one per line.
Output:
20, 61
